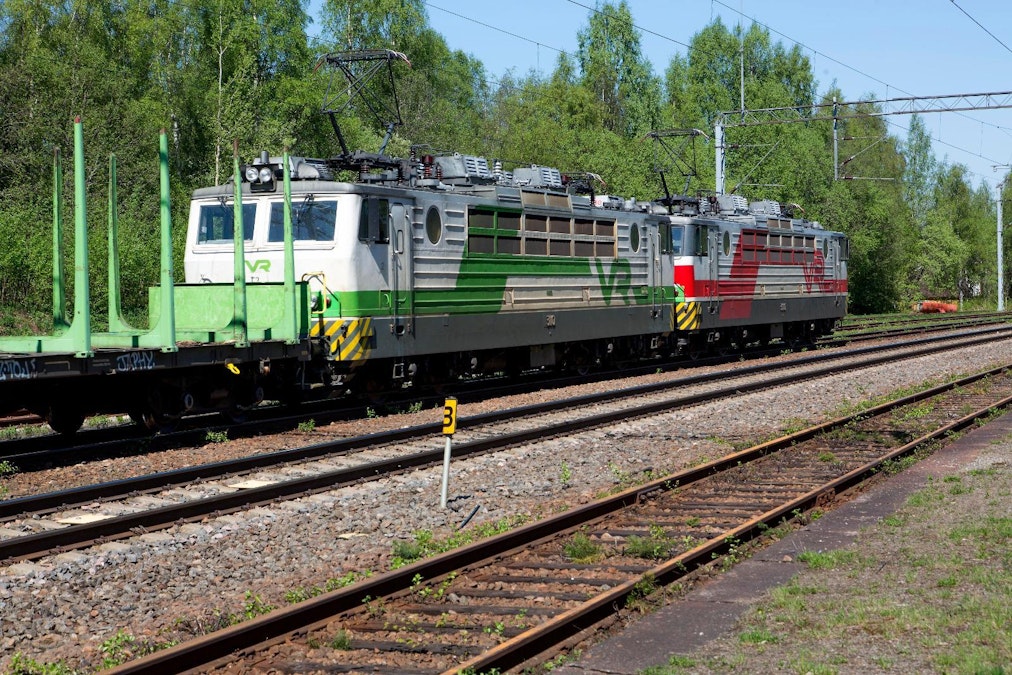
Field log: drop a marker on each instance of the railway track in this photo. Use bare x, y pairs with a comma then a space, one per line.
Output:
508, 601
860, 322
864, 332
37, 444
44, 450
36, 526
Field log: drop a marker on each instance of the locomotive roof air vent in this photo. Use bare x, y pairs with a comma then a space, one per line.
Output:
458, 168
537, 177
732, 204
767, 207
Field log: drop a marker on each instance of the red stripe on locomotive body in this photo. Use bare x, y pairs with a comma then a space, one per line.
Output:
737, 292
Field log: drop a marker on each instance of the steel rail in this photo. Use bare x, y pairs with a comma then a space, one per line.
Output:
76, 536
32, 451
282, 623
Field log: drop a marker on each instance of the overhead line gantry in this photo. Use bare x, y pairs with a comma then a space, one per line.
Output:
906, 105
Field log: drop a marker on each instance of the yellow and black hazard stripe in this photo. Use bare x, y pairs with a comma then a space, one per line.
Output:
350, 339
687, 315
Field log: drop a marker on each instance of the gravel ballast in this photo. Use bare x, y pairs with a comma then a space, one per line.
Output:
66, 607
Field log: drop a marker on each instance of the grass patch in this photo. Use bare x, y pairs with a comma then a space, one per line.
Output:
758, 636
654, 546
582, 549
425, 544
7, 468
306, 592
828, 560
216, 436
930, 590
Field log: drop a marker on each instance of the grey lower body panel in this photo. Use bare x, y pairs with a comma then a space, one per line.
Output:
479, 332
766, 311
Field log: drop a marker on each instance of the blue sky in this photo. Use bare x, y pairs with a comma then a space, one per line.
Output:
876, 49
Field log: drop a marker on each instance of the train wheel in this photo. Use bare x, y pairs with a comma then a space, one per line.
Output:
64, 419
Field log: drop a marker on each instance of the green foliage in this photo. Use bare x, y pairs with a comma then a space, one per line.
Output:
639, 598
405, 552
22, 665
425, 544
216, 436
582, 549
341, 640
7, 468
827, 560
616, 72
565, 473
116, 649
255, 606
304, 593
758, 636
307, 425
212, 72
655, 546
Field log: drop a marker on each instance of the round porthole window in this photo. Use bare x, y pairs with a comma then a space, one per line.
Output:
634, 237
433, 225
727, 243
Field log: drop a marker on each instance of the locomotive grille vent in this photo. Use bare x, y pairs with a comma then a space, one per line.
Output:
537, 176
476, 166
733, 203
766, 207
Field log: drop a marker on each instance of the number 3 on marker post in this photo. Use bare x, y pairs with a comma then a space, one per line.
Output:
450, 416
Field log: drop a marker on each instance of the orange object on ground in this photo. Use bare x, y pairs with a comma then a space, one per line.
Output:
936, 307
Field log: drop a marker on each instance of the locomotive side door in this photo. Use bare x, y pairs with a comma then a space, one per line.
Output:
713, 268
666, 233
653, 263
401, 269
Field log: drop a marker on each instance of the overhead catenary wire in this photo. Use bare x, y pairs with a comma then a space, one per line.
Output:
981, 26
691, 49
888, 86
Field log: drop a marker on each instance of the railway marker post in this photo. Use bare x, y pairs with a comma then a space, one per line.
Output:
449, 427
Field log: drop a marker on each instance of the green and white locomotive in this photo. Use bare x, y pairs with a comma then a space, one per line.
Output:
439, 266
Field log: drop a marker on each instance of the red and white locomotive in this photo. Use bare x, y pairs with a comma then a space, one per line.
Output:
749, 273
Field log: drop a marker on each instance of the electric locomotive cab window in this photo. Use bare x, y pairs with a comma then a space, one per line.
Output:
215, 223
312, 220
433, 225
671, 238
374, 220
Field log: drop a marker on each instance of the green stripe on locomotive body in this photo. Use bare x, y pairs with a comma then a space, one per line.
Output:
504, 269
482, 280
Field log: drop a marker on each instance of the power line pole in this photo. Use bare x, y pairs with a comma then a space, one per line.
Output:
1001, 271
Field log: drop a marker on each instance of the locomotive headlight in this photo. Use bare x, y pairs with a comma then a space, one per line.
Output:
260, 174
